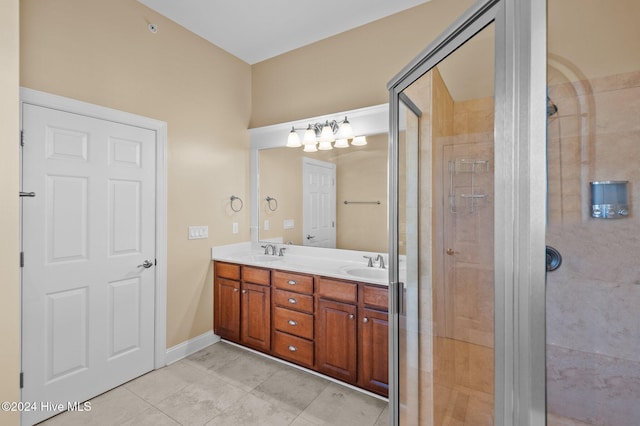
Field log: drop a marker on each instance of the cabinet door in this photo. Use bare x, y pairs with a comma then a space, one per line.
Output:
256, 316
374, 351
226, 308
336, 340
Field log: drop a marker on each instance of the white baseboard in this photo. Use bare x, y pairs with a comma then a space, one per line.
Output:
191, 346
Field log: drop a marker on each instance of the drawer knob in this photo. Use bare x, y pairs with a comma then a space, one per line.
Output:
351, 316
292, 322
365, 320
235, 290
293, 301
292, 348
292, 282
244, 291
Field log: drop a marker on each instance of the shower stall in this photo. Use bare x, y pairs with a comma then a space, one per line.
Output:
515, 278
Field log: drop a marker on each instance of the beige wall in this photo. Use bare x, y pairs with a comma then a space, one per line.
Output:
9, 249
362, 176
103, 53
349, 70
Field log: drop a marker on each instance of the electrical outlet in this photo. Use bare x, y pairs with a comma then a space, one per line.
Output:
288, 224
198, 232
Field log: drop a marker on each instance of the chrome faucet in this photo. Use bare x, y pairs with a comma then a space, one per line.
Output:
269, 249
380, 261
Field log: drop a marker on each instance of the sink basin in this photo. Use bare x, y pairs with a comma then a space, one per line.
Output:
261, 258
371, 273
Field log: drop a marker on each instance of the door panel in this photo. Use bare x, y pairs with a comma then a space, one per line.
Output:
319, 203
88, 304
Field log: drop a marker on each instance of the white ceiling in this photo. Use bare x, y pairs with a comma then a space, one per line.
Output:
255, 30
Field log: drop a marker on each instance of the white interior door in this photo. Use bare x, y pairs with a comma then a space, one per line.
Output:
88, 304
319, 203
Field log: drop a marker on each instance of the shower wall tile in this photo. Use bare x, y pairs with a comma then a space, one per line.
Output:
593, 388
594, 316
617, 110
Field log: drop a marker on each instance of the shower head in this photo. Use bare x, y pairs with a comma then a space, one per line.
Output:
552, 108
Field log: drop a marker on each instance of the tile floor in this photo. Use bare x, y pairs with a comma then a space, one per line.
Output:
228, 386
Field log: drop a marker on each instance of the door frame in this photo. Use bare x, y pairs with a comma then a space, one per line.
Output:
520, 200
48, 100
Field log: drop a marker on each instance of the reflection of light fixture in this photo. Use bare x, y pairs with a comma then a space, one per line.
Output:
321, 136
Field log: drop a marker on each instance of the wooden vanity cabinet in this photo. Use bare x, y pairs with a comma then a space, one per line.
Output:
242, 305
293, 320
336, 329
373, 342
226, 301
255, 305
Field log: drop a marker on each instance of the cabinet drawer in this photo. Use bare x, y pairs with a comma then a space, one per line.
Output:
256, 275
376, 297
293, 348
342, 291
227, 270
293, 282
293, 322
291, 300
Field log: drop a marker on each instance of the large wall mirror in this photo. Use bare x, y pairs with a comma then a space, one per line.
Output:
287, 204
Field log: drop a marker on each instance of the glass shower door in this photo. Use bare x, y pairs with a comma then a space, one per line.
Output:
445, 244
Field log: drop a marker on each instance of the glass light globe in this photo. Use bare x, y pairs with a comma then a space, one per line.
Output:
310, 147
346, 132
359, 141
327, 133
341, 143
325, 146
309, 137
293, 141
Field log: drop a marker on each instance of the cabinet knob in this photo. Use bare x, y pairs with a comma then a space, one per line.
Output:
244, 291
351, 316
292, 348
292, 282
292, 322
293, 301
365, 320
235, 290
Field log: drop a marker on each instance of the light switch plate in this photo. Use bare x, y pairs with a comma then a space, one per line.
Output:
198, 232
234, 227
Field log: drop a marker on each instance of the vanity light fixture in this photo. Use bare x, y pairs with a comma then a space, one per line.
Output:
325, 136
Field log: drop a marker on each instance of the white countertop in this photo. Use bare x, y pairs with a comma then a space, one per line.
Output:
335, 263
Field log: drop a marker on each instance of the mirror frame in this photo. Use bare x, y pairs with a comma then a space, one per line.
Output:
367, 121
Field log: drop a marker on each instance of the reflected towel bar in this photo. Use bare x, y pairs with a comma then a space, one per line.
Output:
361, 202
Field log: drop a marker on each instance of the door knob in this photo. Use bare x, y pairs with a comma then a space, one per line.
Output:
451, 252
146, 264
310, 236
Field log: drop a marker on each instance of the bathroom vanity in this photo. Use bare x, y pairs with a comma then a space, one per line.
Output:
326, 315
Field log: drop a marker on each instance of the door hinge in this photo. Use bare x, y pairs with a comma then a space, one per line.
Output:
155, 262
22, 259
21, 380
21, 137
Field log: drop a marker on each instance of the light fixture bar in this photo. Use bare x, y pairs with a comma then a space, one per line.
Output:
320, 136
